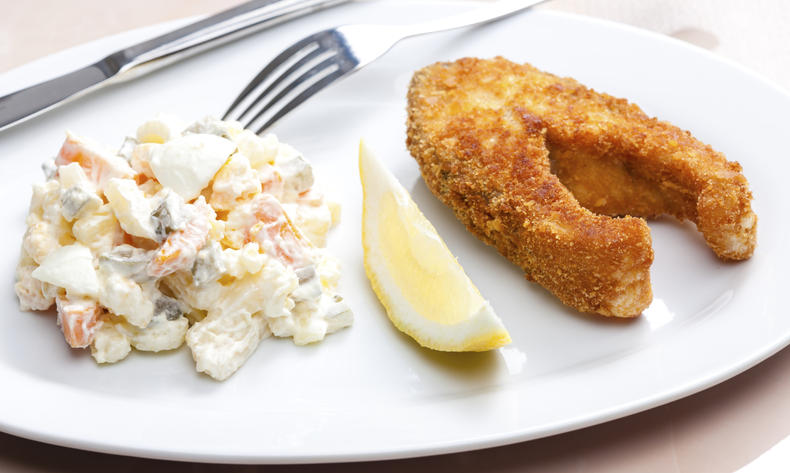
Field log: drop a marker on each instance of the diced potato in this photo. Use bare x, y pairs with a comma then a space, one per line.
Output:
236, 180
98, 230
110, 344
222, 342
160, 129
32, 293
161, 334
126, 298
72, 175
259, 150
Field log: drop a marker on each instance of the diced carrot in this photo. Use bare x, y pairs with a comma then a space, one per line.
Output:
79, 320
98, 166
274, 226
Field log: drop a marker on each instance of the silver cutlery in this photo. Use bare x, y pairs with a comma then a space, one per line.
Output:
154, 53
314, 62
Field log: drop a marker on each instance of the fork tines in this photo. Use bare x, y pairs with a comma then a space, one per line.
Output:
307, 66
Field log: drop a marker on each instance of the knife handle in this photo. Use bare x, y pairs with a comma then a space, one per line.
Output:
154, 53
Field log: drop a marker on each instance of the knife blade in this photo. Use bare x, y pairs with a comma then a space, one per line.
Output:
152, 54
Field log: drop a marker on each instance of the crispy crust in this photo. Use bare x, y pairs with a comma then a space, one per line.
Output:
487, 135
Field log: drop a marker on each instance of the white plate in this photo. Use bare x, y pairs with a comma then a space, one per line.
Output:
369, 392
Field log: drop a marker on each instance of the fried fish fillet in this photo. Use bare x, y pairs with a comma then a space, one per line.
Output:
487, 135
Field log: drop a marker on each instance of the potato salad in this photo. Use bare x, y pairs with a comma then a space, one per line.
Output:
203, 233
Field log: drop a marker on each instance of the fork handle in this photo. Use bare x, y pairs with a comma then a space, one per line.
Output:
212, 31
476, 16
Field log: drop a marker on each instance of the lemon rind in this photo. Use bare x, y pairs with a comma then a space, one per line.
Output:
408, 320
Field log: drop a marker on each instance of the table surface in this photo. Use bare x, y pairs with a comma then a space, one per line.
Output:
718, 430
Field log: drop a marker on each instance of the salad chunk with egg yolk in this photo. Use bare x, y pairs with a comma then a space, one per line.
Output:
206, 234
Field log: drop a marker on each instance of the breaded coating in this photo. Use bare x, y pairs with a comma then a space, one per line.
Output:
487, 135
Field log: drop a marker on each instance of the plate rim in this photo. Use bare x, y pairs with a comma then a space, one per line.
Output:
499, 439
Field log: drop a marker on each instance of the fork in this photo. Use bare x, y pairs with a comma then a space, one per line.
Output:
312, 63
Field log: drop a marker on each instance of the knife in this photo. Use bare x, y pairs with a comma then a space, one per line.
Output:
152, 54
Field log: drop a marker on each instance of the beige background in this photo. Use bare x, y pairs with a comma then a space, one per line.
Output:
718, 430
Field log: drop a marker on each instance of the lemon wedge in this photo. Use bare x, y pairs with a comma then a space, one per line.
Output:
424, 290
